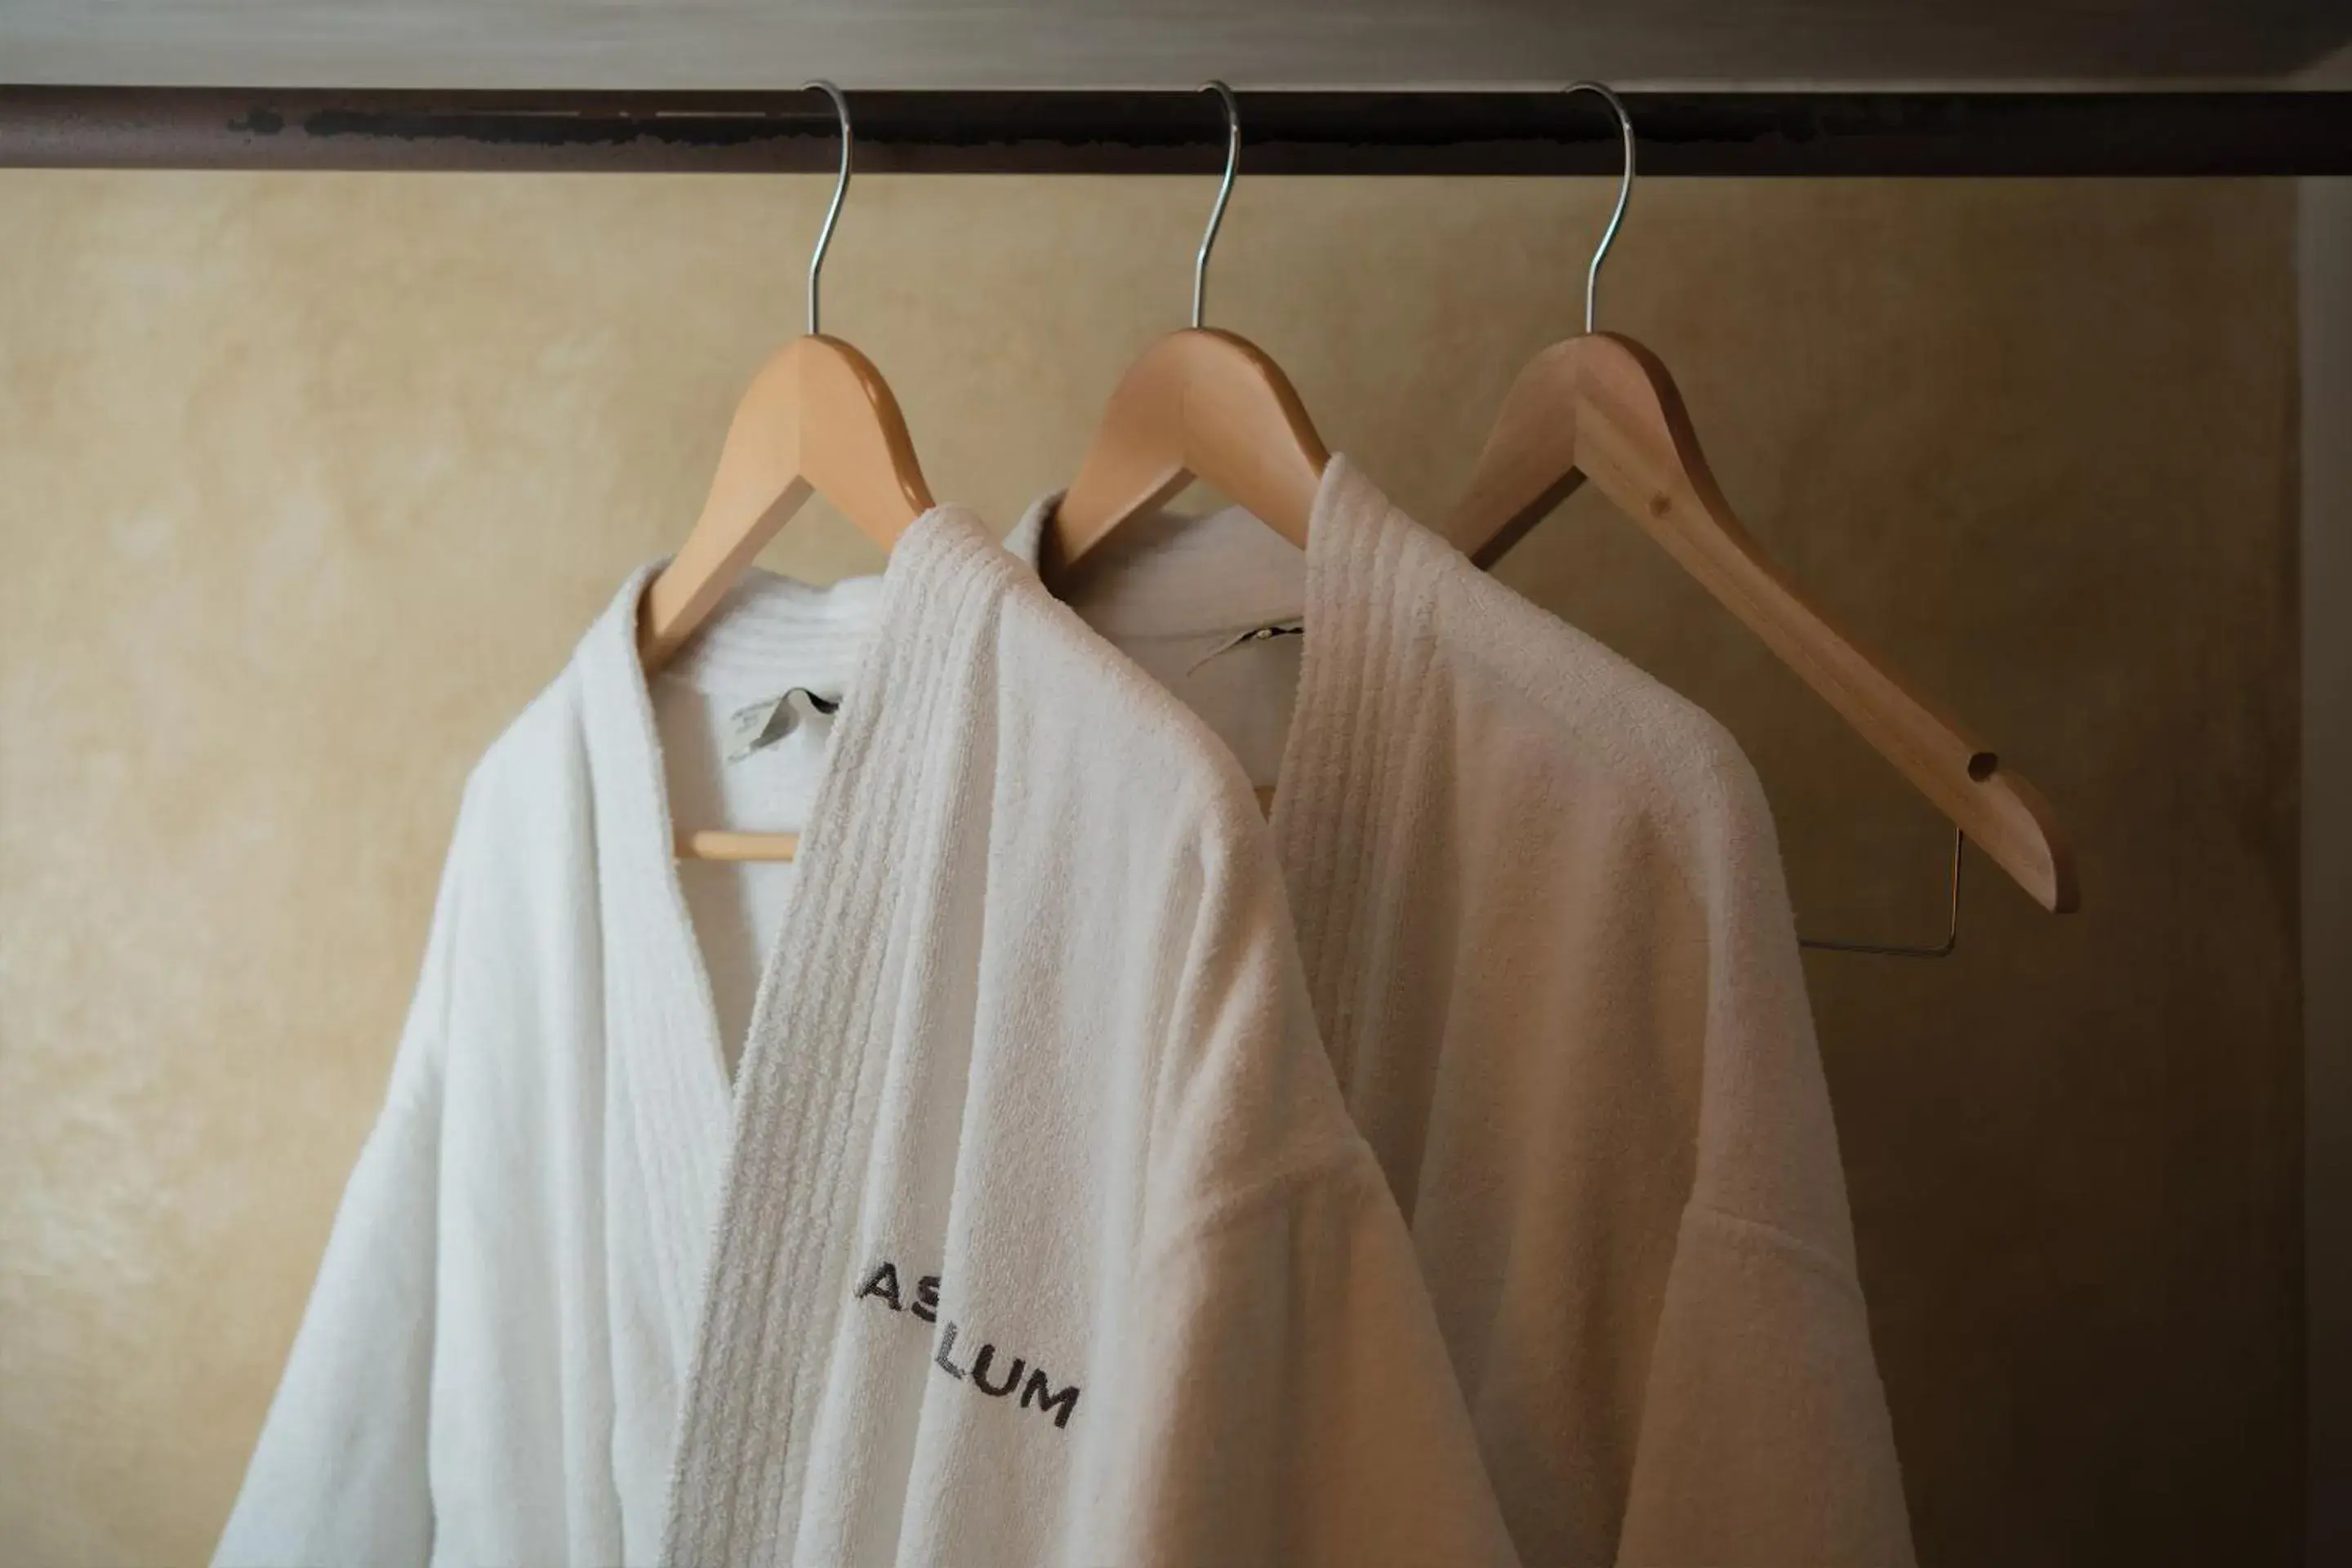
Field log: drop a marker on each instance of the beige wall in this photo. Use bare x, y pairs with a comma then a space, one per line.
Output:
307, 483
2323, 266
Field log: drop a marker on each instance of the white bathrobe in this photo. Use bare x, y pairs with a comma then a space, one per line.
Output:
1035, 1230
1541, 908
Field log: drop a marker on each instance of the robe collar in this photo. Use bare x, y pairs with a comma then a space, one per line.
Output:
875, 857
667, 1067
1368, 717
1365, 713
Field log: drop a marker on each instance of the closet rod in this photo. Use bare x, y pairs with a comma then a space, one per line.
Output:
1533, 131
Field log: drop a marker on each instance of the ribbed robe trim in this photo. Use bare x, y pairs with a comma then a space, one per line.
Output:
1345, 811
661, 1030
809, 1085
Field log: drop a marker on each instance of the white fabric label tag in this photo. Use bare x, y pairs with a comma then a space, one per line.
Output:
1296, 628
761, 724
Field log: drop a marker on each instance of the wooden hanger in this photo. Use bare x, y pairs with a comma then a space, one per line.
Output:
817, 419
1602, 407
1198, 404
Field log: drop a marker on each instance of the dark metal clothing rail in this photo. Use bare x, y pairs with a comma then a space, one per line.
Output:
1513, 132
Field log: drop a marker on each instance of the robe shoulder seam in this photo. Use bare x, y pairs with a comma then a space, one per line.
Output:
1762, 1236
1337, 1165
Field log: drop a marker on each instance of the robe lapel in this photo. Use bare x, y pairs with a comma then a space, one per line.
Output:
1368, 711
666, 1073
810, 1084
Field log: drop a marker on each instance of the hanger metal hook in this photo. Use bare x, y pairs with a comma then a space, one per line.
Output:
840, 190
1224, 194
1625, 193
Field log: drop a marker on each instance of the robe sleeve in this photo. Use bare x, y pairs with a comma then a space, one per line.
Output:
1286, 1397
1764, 1436
339, 1475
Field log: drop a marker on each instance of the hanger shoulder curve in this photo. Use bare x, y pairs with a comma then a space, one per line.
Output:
1602, 407
1199, 403
1529, 464
855, 447
817, 418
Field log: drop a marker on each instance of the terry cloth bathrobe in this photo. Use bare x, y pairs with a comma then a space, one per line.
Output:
1035, 1230
1540, 906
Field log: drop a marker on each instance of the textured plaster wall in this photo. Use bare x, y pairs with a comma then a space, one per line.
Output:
307, 483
